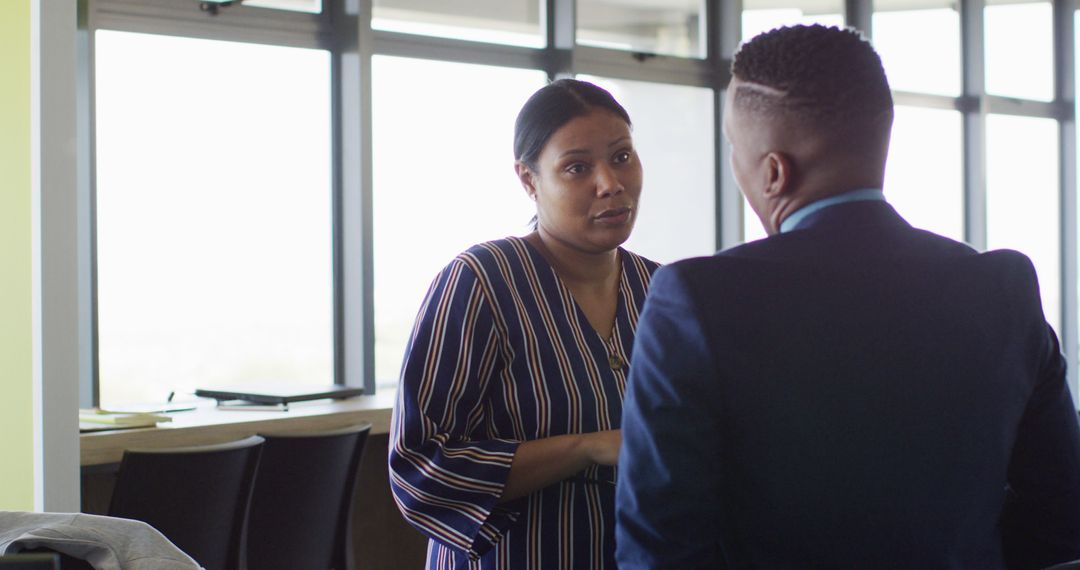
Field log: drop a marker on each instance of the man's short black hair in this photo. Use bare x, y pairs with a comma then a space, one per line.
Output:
828, 78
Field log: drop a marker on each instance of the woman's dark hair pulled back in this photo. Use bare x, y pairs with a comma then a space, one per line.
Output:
553, 106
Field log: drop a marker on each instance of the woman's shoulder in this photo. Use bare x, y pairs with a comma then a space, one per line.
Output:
492, 251
643, 264
492, 256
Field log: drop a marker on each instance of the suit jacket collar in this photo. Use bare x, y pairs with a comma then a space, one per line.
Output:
853, 215
858, 195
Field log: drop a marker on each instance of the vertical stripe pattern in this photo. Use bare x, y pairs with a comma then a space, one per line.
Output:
500, 354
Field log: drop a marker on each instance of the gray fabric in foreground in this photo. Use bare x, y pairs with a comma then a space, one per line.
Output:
107, 543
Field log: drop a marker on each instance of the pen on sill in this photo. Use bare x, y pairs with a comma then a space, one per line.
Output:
167, 409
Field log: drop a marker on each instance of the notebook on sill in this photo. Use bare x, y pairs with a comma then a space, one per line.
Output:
283, 395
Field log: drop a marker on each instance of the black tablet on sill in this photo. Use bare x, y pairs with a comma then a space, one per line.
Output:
279, 396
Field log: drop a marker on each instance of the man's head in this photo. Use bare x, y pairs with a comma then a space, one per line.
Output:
808, 115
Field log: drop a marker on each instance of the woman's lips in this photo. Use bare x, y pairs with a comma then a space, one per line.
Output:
614, 216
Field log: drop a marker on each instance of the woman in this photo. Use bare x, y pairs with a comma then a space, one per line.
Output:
505, 431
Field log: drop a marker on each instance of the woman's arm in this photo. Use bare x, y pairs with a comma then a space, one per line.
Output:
446, 484
542, 462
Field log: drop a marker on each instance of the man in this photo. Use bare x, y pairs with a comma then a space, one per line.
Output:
849, 392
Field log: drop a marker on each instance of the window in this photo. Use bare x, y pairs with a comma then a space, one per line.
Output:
236, 151
1019, 50
1022, 198
674, 140
1023, 189
752, 227
444, 180
762, 15
924, 174
213, 215
512, 22
669, 27
929, 65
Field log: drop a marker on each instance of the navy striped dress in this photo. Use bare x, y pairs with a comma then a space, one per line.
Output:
500, 354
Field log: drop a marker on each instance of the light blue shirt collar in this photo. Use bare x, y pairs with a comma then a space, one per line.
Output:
853, 196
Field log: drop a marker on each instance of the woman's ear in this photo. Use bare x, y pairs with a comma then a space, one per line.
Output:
779, 174
525, 176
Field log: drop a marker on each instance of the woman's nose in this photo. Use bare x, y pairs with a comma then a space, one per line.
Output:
607, 182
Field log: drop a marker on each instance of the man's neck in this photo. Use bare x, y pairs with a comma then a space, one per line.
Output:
792, 221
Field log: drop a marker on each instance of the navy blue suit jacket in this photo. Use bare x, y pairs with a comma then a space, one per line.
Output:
855, 393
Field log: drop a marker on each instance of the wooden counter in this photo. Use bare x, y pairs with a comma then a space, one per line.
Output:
207, 424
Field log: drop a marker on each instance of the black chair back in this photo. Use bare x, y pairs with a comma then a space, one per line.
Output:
301, 507
63, 561
39, 561
197, 497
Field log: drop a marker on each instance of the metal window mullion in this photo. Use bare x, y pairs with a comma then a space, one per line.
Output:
86, 192
458, 51
561, 32
1065, 97
235, 32
621, 64
859, 14
344, 34
927, 100
181, 11
974, 120
353, 211
725, 31
249, 25
998, 105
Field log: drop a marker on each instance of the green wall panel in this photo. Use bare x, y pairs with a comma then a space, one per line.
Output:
16, 263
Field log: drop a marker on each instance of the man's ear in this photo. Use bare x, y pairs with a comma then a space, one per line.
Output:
525, 176
779, 174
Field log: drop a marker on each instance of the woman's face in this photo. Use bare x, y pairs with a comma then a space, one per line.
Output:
587, 183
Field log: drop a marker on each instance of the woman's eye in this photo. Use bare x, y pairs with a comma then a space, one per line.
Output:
623, 156
576, 168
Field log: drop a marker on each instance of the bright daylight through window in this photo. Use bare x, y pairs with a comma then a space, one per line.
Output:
215, 192
213, 215
439, 190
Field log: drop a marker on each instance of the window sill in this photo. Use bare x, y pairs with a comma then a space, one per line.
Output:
208, 425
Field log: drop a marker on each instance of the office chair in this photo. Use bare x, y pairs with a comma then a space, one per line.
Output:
198, 497
301, 508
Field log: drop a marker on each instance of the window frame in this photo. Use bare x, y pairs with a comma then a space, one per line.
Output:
344, 28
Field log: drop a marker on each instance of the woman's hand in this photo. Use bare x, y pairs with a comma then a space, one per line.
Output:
603, 446
542, 462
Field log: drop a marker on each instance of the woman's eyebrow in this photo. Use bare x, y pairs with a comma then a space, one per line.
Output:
574, 151
616, 142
